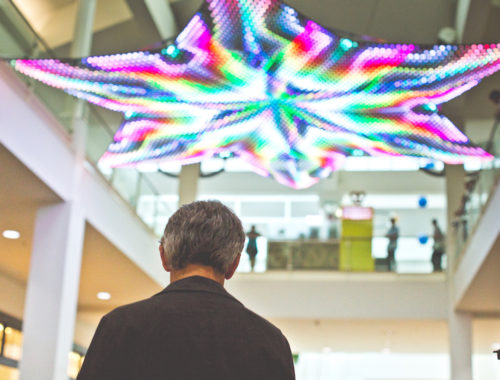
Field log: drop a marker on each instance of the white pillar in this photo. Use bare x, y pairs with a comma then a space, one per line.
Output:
52, 292
188, 183
53, 283
459, 324
460, 330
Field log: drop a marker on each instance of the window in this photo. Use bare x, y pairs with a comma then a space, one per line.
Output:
8, 373
13, 343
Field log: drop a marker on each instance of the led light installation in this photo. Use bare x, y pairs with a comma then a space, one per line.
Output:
256, 80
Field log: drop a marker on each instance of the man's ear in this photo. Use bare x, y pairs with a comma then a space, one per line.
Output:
164, 261
232, 268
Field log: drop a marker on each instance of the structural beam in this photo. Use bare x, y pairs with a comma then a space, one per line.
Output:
470, 20
162, 15
188, 183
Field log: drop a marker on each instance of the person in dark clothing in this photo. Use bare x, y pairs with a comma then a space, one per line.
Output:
194, 329
392, 235
252, 246
437, 247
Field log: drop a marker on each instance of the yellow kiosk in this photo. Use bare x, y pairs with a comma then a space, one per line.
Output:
356, 239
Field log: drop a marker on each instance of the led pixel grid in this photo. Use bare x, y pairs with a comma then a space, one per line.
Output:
257, 80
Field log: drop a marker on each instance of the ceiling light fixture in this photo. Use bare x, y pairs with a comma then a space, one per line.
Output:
104, 296
11, 234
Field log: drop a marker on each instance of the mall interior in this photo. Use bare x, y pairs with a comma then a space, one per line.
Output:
80, 238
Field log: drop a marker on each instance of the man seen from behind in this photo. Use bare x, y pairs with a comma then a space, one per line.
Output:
193, 329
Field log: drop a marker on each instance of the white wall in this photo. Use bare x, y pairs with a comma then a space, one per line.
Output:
342, 295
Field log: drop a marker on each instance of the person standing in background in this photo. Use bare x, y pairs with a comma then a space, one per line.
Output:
392, 235
252, 246
437, 247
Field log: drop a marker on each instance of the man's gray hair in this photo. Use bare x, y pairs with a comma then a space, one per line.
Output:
203, 232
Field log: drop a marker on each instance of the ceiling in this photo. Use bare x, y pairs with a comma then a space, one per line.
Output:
392, 20
19, 201
105, 268
55, 20
483, 294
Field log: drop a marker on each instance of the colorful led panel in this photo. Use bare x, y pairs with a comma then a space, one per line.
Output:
257, 80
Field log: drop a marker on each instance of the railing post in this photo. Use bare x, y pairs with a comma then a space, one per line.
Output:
82, 41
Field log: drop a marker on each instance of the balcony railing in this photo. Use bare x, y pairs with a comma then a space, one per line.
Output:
479, 187
341, 255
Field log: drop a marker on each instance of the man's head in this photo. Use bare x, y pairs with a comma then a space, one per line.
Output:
434, 222
393, 221
203, 233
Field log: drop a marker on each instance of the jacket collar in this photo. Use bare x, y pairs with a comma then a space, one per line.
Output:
197, 284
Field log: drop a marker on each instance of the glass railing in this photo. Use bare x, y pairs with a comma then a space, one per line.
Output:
18, 39
412, 256
478, 189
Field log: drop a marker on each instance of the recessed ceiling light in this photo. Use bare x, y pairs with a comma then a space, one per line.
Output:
11, 234
104, 296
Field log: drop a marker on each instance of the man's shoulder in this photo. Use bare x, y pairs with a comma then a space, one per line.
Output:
148, 308
263, 325
131, 312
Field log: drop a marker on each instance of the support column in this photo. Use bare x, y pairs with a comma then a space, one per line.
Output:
459, 324
54, 278
188, 183
52, 292
460, 330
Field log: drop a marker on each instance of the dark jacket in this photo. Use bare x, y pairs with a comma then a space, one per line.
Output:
193, 329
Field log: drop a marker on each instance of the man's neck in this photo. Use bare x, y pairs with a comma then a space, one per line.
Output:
197, 270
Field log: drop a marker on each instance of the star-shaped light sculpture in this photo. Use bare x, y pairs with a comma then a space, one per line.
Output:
257, 80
